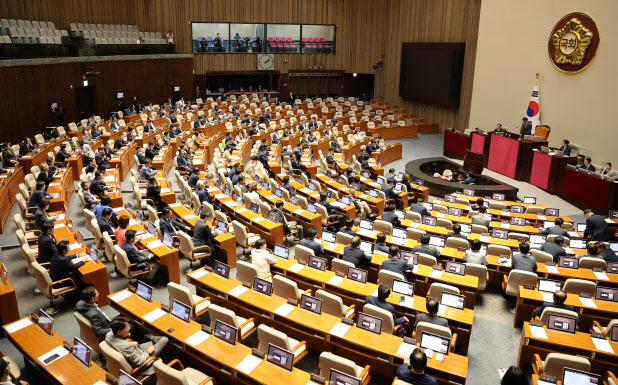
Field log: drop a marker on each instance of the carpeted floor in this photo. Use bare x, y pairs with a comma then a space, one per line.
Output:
493, 345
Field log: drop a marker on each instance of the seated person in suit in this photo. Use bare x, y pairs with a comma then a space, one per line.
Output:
330, 156
311, 243
347, 228
120, 142
153, 192
604, 251
147, 171
381, 245
596, 227
91, 201
354, 254
262, 259
470, 179
425, 248
88, 308
559, 299
387, 189
101, 158
592, 249
330, 209
412, 371
105, 204
46, 175
419, 208
140, 155
136, 355
169, 225
138, 256
46, 243
41, 216
151, 151
480, 218
37, 194
607, 171
555, 248
557, 229
204, 235
62, 155
380, 301
61, 268
456, 233
6, 375
104, 222
523, 260
9, 159
432, 305
565, 148
395, 264
389, 215
201, 193
372, 147
194, 177
286, 185
26, 146
587, 165
182, 161
288, 226
475, 255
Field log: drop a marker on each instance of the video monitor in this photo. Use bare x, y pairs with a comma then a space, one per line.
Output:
152, 229
222, 226
144, 291
562, 323
419, 182
435, 342
225, 332
465, 228
537, 238
119, 95
280, 357
311, 208
125, 379
346, 201
612, 267
577, 377
79, 238
281, 251
453, 300
366, 224
436, 241
547, 224
176, 88
497, 197
81, 351
329, 237
138, 216
568, 262
518, 221
606, 294
454, 211
227, 191
366, 174
614, 334
430, 221
613, 246
449, 198
613, 214
552, 212
581, 227
317, 263
312, 186
400, 233
455, 268
577, 244
358, 275
373, 193
500, 234
403, 287
381, 180
272, 216
45, 322
53, 106
181, 311
239, 199
311, 304
221, 269
517, 209
549, 285
369, 323
408, 255
468, 192
530, 200
262, 286
278, 193
367, 247
338, 378
168, 240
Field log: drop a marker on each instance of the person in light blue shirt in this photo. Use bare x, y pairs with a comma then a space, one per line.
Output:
105, 201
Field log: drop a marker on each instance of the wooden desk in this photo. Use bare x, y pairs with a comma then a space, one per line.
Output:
8, 193
388, 154
578, 344
507, 203
32, 342
294, 213
61, 189
395, 132
41, 156
374, 203
9, 312
220, 357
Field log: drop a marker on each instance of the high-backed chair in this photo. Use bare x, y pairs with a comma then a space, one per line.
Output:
516, 279
344, 239
286, 288
382, 226
302, 253
13, 367
415, 233
386, 277
124, 266
190, 251
246, 271
607, 330
109, 252
86, 333
340, 266
436, 289
116, 361
535, 210
199, 305
388, 324
498, 250
577, 286
541, 256
427, 260
167, 375
455, 243
46, 285
333, 305
244, 238
245, 326
268, 335
479, 271
544, 318
330, 361
435, 329
592, 263
554, 364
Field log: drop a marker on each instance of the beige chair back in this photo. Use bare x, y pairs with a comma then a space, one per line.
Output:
386, 277
479, 271
592, 263
341, 266
415, 233
541, 256
498, 250
241, 233
344, 239
115, 360
427, 260
412, 215
555, 363
382, 226
86, 333
436, 289
285, 288
519, 278
441, 331
268, 335
456, 243
222, 314
331, 304
302, 253
168, 375
578, 286
388, 324
246, 271
330, 361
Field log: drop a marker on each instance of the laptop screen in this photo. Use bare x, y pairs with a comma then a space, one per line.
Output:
294, 200
317, 263
613, 214
311, 304
312, 186
400, 233
367, 247
569, 262
266, 185
581, 227
436, 241
530, 200
497, 197
81, 351
366, 174
578, 377
272, 216
168, 240
468, 192
419, 182
281, 251
311, 208
45, 322
561, 323
138, 216
239, 199
500, 233
144, 291
125, 379
227, 191
465, 228
428, 206
453, 300
454, 211
152, 228
435, 342
606, 294
218, 184
381, 180
329, 237
547, 224
614, 334
181, 311
366, 224
221, 226
357, 275
613, 246
403, 287
3, 273
518, 221
221, 269
129, 206
450, 199
278, 193
338, 378
262, 286
577, 244
612, 267
549, 286
517, 209
373, 193
537, 238
225, 332
407, 255
455, 268
552, 212
345, 200
280, 357
369, 323
430, 221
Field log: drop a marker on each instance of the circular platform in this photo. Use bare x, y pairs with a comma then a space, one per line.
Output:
425, 168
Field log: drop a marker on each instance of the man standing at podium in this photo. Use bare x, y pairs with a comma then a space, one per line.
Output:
526, 127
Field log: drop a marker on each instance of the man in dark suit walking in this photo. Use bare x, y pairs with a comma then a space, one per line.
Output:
596, 227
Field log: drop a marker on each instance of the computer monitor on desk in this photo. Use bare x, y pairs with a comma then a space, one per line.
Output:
144, 291
455, 268
168, 240
181, 311
358, 275
609, 294
517, 209
280, 357
578, 377
453, 300
311, 304
367, 247
281, 251
369, 323
568, 262
81, 351
221, 269
549, 285
329, 237
262, 286
562, 323
338, 378
45, 322
403, 287
125, 379
435, 343
225, 332
614, 334
408, 255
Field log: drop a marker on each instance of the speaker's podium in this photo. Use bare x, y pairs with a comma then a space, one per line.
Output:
474, 162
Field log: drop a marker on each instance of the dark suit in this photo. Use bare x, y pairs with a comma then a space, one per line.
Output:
355, 256
426, 249
590, 167
419, 209
119, 143
141, 158
388, 191
100, 160
99, 321
290, 189
193, 179
47, 248
46, 177
553, 249
40, 217
34, 199
134, 256
291, 100
61, 267
607, 254
154, 193
9, 158
348, 231
97, 188
566, 150
375, 301
25, 148
460, 235
151, 152
168, 226
596, 226
313, 245
105, 226
539, 310
182, 162
203, 234
556, 230
397, 266
390, 217
526, 129
149, 127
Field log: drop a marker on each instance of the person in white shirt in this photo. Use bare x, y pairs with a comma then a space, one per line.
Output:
5, 374
253, 194
262, 258
475, 255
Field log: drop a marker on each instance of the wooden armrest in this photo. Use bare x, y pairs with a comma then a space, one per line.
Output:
537, 365
597, 324
201, 247
609, 376
365, 372
328, 219
308, 292
395, 329
197, 303
68, 289
268, 276
351, 307
206, 381
249, 320
504, 282
295, 348
453, 341
176, 361
139, 272
146, 363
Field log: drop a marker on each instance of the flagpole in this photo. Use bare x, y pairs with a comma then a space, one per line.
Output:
536, 83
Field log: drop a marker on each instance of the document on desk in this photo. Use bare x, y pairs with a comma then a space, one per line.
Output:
258, 219
284, 309
197, 338
573, 234
120, 296
15, 326
331, 246
335, 280
399, 241
541, 217
569, 250
296, 268
59, 226
197, 274
440, 215
602, 345
366, 233
606, 220
173, 205
505, 225
339, 330
439, 356
166, 190
100, 383
190, 216
363, 196
154, 315
538, 332
405, 349
74, 246
437, 274
547, 297
441, 309
601, 275
221, 196
552, 269
407, 302
414, 224
484, 238
248, 364
587, 302
237, 291
57, 352
154, 244
298, 212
